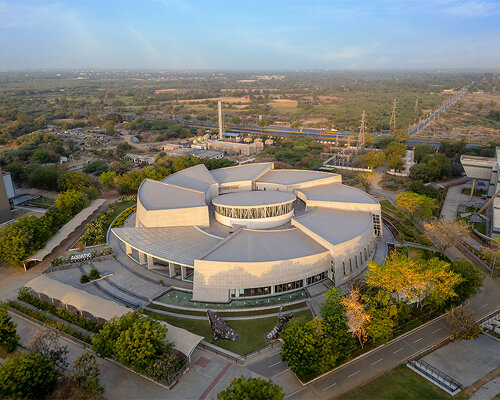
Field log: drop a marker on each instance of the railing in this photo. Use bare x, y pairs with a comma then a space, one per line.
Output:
436, 375
235, 358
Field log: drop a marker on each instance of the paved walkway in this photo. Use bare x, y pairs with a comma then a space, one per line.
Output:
487, 391
453, 198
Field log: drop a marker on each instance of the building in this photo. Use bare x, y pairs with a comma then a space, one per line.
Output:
209, 154
135, 158
6, 192
170, 147
251, 230
486, 169
236, 148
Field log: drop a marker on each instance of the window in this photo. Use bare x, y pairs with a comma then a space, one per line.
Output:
343, 265
356, 261
350, 265
317, 278
366, 255
250, 292
376, 224
288, 286
361, 258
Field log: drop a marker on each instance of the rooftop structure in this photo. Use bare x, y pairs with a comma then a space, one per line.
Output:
277, 230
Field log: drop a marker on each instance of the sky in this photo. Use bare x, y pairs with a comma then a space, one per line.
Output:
250, 34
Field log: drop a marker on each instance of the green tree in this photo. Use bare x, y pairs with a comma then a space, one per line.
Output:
394, 154
372, 159
380, 326
107, 179
416, 206
235, 120
250, 389
71, 202
142, 343
17, 171
8, 336
104, 342
472, 278
85, 373
96, 167
332, 305
74, 181
422, 150
109, 128
42, 156
27, 376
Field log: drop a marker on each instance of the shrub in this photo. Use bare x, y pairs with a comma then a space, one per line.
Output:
94, 274
251, 388
84, 278
8, 336
27, 376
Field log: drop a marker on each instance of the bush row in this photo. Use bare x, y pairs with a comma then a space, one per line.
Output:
120, 220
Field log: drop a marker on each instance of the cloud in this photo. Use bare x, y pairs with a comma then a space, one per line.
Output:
471, 8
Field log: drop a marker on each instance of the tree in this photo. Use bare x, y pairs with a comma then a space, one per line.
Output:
109, 128
107, 179
332, 305
441, 281
74, 181
380, 326
493, 254
164, 367
416, 206
85, 373
27, 376
96, 167
251, 388
394, 154
445, 233
44, 178
472, 278
142, 343
235, 120
356, 315
122, 148
46, 342
372, 159
317, 346
463, 324
422, 150
8, 336
16, 170
262, 123
368, 179
71, 202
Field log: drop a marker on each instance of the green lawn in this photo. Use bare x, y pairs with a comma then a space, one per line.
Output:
399, 383
251, 333
120, 207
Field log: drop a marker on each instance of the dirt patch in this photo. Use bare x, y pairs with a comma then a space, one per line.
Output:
243, 99
284, 103
65, 389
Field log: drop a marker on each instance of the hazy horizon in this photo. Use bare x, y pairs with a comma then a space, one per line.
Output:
177, 35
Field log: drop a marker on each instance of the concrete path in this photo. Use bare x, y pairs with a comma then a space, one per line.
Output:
487, 391
453, 198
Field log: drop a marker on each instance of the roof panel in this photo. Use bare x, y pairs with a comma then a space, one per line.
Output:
335, 226
249, 245
293, 176
238, 173
195, 178
337, 192
178, 244
156, 195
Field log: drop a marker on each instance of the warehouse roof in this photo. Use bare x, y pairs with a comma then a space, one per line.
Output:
335, 226
247, 245
156, 195
179, 244
195, 178
238, 173
254, 198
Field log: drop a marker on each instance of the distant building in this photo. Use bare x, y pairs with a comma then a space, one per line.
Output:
245, 149
139, 159
5, 213
209, 154
170, 146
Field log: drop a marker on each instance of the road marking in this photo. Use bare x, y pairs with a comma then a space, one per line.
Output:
418, 340
354, 373
437, 330
484, 305
377, 361
397, 351
272, 365
272, 355
328, 387
297, 391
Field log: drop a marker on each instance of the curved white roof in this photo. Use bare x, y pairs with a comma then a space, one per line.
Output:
156, 195
178, 244
335, 226
195, 178
254, 198
239, 173
293, 176
337, 192
247, 245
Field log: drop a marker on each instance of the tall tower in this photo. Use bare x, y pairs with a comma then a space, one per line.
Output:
361, 134
221, 122
392, 123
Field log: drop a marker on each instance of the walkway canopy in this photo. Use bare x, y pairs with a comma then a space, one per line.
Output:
67, 230
184, 341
